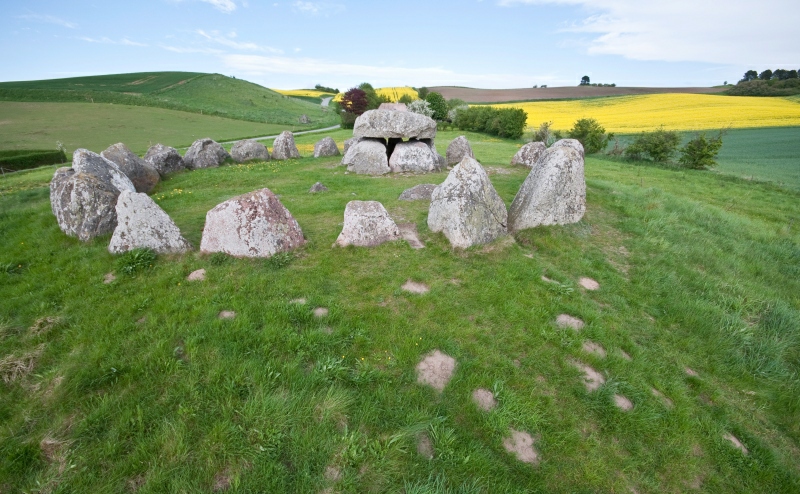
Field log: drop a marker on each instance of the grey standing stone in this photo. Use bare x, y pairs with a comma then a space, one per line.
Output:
457, 150
570, 143
554, 192
141, 223
304, 119
249, 150
413, 156
205, 153
83, 204
421, 192
326, 147
317, 187
367, 157
393, 106
466, 208
367, 224
251, 225
529, 154
86, 161
349, 142
284, 147
143, 176
164, 159
390, 123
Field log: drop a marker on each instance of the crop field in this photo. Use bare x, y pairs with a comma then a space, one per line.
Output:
392, 93
475, 95
136, 83
138, 385
308, 93
630, 114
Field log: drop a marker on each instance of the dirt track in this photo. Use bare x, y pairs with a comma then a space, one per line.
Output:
472, 95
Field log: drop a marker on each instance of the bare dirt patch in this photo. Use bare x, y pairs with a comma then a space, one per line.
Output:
623, 403
565, 321
736, 442
594, 348
425, 446
690, 372
625, 355
13, 368
589, 284
299, 301
484, 399
414, 287
666, 401
222, 481
321, 312
409, 232
109, 278
474, 95
520, 444
332, 473
591, 378
436, 370
199, 275
226, 314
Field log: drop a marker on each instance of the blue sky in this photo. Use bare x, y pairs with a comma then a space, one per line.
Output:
340, 43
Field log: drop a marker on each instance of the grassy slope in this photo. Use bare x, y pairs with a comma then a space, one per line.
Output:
95, 126
211, 94
696, 270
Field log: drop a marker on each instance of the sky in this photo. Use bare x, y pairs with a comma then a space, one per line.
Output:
342, 43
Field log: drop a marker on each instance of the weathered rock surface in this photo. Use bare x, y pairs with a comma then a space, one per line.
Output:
249, 150
457, 150
467, 208
205, 153
304, 119
164, 159
348, 143
390, 123
83, 198
317, 187
284, 147
141, 223
326, 147
251, 225
367, 157
421, 192
144, 177
529, 154
554, 192
393, 106
570, 143
413, 156
367, 224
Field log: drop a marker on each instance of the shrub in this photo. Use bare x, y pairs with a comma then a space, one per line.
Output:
406, 99
591, 135
422, 92
701, 153
320, 87
422, 107
136, 260
455, 103
658, 145
545, 134
25, 159
438, 105
354, 103
453, 114
502, 122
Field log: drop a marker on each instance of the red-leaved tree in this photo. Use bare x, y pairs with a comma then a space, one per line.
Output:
355, 101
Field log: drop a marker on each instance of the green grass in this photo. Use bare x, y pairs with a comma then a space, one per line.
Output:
207, 94
138, 386
96, 126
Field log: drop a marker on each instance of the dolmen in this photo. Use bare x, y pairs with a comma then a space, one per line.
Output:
392, 141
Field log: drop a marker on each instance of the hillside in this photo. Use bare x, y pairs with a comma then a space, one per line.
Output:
475, 95
208, 94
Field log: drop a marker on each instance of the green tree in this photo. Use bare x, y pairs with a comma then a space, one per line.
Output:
701, 152
766, 75
422, 92
750, 75
373, 99
438, 105
585, 80
406, 99
591, 135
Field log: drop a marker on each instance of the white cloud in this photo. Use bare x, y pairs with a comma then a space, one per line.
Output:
317, 8
343, 74
226, 6
49, 19
736, 32
108, 41
216, 37
127, 42
185, 49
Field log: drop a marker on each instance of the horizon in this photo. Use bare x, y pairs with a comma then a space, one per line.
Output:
499, 44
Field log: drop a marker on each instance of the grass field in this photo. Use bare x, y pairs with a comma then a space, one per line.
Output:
630, 114
95, 126
137, 386
207, 94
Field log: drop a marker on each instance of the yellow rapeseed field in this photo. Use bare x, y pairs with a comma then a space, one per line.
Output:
302, 92
393, 93
630, 114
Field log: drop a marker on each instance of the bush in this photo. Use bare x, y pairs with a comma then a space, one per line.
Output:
456, 103
422, 107
502, 122
701, 153
406, 99
320, 87
545, 134
658, 145
773, 87
438, 105
422, 92
453, 114
354, 103
591, 135
30, 158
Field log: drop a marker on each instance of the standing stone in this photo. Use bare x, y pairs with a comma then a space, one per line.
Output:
413, 156
284, 147
554, 192
326, 147
570, 143
205, 153
251, 225
304, 119
529, 154
349, 142
367, 157
141, 223
164, 159
457, 150
390, 123
249, 150
367, 224
92, 163
421, 192
317, 187
83, 204
467, 208
393, 106
143, 176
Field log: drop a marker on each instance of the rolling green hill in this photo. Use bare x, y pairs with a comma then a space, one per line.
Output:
207, 94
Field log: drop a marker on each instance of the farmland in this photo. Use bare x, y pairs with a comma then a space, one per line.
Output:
474, 95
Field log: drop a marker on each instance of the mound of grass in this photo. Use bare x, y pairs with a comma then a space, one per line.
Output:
208, 94
143, 387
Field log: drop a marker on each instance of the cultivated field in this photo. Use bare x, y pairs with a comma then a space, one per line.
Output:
137, 385
473, 95
630, 114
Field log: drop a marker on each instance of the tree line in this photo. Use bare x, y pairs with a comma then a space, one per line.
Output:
769, 75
